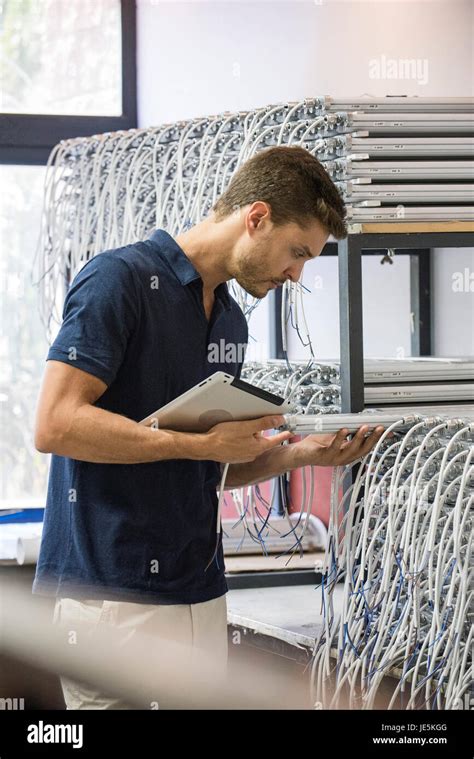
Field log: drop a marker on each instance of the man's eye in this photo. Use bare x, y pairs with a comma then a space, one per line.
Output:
299, 255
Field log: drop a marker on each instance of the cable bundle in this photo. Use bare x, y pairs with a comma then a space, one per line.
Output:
311, 386
109, 190
314, 387
400, 540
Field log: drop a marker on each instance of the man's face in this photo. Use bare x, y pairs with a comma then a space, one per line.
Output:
267, 257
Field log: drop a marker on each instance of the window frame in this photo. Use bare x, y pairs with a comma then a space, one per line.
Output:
28, 139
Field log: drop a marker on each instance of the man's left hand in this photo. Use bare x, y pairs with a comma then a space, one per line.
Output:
336, 450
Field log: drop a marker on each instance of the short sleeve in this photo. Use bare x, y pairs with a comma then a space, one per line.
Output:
99, 316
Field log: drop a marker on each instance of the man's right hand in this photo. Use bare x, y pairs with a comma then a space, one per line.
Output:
240, 442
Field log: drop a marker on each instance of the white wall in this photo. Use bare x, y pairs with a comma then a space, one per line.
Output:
198, 58
386, 320
453, 296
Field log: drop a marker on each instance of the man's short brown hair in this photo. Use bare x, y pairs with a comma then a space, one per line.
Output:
295, 185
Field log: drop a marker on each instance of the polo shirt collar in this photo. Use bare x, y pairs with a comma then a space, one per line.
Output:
182, 266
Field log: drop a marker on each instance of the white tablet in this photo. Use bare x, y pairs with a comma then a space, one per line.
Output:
219, 398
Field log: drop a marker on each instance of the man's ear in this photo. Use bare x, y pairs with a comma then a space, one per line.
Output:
258, 214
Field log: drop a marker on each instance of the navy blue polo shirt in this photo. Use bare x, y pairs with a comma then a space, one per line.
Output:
134, 317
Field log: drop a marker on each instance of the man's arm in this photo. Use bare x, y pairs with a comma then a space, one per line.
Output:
313, 450
67, 423
270, 464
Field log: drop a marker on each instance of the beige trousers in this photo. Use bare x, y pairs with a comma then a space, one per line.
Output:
199, 627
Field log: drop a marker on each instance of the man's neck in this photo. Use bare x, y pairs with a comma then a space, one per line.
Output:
209, 252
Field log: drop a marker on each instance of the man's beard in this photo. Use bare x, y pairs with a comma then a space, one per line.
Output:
256, 289
253, 278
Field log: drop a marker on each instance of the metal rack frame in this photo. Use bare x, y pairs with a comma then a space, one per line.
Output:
413, 239
372, 238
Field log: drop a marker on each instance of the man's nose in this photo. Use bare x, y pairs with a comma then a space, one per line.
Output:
293, 272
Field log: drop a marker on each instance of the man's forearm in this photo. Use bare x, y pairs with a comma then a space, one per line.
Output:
270, 464
102, 437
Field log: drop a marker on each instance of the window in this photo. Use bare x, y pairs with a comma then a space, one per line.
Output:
67, 68
23, 344
61, 58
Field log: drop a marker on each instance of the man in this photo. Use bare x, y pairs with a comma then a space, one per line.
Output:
130, 519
